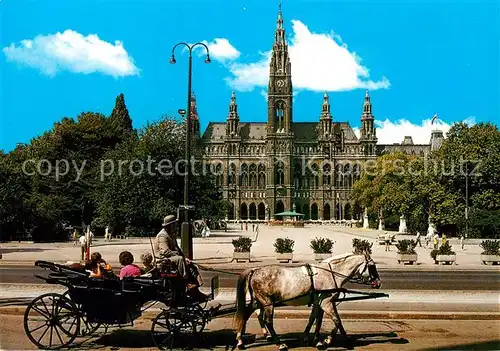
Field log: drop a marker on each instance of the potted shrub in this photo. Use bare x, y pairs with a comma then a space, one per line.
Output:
406, 251
284, 249
322, 248
360, 246
242, 249
444, 254
491, 251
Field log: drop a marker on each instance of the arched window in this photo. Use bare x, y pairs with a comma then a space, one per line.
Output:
347, 176
339, 176
232, 174
253, 175
219, 177
315, 176
327, 177
262, 176
280, 115
280, 173
244, 175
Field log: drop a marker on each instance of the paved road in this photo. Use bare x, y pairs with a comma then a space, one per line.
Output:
219, 335
449, 279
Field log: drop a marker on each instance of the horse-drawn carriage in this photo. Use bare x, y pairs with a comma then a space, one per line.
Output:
55, 320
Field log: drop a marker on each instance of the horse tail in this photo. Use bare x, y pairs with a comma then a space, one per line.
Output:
240, 316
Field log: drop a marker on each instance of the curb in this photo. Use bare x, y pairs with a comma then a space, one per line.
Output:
346, 314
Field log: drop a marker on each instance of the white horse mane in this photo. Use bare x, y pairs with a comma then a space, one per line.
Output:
338, 257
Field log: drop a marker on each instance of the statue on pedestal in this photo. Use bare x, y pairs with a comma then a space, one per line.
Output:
366, 223
381, 222
402, 224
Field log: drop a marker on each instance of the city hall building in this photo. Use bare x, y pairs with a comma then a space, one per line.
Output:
282, 165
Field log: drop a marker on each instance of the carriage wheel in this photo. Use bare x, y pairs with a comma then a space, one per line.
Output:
51, 321
87, 328
172, 323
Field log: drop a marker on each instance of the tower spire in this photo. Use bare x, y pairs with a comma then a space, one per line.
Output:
368, 130
279, 37
232, 118
325, 110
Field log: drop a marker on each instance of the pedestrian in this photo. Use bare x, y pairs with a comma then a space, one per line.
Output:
462, 241
106, 234
241, 226
83, 246
75, 237
257, 229
418, 240
387, 238
444, 240
246, 226
253, 227
436, 241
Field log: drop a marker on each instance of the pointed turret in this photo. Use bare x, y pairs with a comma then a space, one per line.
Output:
368, 132
325, 119
279, 36
232, 118
193, 114
325, 110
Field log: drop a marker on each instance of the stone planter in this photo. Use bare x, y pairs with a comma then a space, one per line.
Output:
322, 256
410, 258
490, 259
284, 257
444, 259
241, 256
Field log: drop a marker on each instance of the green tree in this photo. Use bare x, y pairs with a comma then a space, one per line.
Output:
139, 200
120, 119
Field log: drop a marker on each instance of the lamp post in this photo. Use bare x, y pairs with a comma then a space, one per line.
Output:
186, 234
466, 199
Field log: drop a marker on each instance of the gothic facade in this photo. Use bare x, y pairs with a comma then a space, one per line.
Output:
281, 165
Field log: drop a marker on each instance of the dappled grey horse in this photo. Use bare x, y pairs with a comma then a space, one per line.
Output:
275, 285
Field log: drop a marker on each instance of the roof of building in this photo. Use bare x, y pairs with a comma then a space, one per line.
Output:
303, 131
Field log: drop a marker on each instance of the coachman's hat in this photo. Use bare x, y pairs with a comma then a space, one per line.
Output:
169, 220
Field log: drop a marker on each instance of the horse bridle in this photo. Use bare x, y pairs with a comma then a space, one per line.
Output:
369, 265
372, 272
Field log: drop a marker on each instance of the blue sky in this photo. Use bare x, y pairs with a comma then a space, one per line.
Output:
417, 58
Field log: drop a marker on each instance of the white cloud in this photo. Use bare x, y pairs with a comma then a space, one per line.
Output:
389, 132
221, 49
319, 62
73, 52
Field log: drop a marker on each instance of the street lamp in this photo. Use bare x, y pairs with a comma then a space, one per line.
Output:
186, 233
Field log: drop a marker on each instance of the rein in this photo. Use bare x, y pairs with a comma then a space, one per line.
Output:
307, 265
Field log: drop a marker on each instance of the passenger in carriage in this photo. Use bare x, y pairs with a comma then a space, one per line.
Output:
149, 270
166, 247
98, 267
129, 269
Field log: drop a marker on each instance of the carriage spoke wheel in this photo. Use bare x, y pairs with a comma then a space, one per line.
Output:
87, 328
51, 321
171, 324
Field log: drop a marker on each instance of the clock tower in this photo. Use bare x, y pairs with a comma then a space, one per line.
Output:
279, 96
280, 139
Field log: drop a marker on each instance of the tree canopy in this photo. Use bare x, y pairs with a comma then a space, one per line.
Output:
93, 170
435, 185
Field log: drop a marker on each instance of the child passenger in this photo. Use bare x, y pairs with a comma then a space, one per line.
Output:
129, 269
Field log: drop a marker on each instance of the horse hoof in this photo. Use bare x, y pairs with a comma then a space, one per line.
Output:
241, 347
269, 338
283, 347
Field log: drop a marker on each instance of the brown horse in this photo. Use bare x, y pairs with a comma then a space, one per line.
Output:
275, 285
